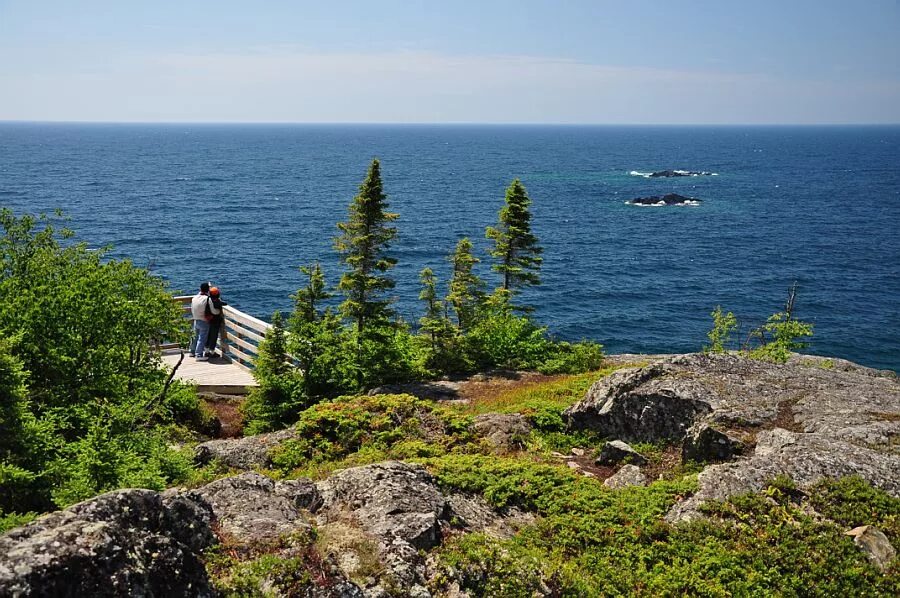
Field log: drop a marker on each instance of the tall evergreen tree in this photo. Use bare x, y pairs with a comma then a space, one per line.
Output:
516, 249
466, 289
273, 404
309, 298
363, 243
317, 340
435, 325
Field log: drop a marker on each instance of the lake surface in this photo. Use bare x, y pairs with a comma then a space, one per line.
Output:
245, 205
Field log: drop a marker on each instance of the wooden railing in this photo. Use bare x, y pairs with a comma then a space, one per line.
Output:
239, 338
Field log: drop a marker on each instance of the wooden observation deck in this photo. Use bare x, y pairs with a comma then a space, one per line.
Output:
239, 346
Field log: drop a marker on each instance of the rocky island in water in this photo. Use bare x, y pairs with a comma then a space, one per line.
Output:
670, 199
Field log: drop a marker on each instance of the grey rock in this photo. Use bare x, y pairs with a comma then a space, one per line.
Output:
243, 453
251, 507
874, 544
505, 431
641, 404
475, 514
811, 418
805, 458
303, 492
705, 444
124, 543
628, 475
389, 500
616, 451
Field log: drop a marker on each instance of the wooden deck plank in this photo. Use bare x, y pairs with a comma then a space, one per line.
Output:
216, 375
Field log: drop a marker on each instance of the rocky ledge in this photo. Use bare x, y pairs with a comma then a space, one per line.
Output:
809, 419
145, 543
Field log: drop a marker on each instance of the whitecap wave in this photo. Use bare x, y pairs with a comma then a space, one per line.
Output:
646, 175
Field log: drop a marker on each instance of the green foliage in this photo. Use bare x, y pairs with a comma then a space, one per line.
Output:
334, 430
321, 347
80, 381
503, 339
466, 289
516, 249
590, 541
779, 337
572, 358
12, 520
279, 397
266, 575
852, 502
364, 240
724, 325
441, 346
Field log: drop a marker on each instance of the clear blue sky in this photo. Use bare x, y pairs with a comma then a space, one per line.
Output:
552, 61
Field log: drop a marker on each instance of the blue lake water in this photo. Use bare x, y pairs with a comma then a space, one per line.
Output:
245, 205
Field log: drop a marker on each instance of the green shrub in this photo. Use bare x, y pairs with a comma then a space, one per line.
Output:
573, 358
502, 339
779, 337
591, 541
333, 430
724, 325
9, 521
81, 410
852, 502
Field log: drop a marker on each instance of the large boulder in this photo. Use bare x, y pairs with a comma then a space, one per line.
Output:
808, 419
504, 431
628, 475
805, 458
641, 405
616, 451
243, 453
251, 507
389, 500
705, 444
124, 543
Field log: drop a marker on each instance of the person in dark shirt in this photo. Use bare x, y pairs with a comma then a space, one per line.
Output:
218, 320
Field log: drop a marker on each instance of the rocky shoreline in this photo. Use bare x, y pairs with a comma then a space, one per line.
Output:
748, 422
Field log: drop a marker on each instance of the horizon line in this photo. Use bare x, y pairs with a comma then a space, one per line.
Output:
445, 123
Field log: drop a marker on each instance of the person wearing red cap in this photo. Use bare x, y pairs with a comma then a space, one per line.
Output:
218, 320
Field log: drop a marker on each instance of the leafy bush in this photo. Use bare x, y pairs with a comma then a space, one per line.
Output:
81, 384
400, 425
852, 502
724, 325
502, 339
785, 334
279, 397
591, 541
572, 358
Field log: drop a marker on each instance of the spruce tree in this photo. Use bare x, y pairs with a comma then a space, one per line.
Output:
363, 243
466, 289
516, 249
272, 405
317, 340
435, 325
308, 299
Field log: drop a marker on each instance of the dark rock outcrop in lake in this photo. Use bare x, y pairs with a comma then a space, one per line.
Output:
807, 419
678, 173
670, 199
